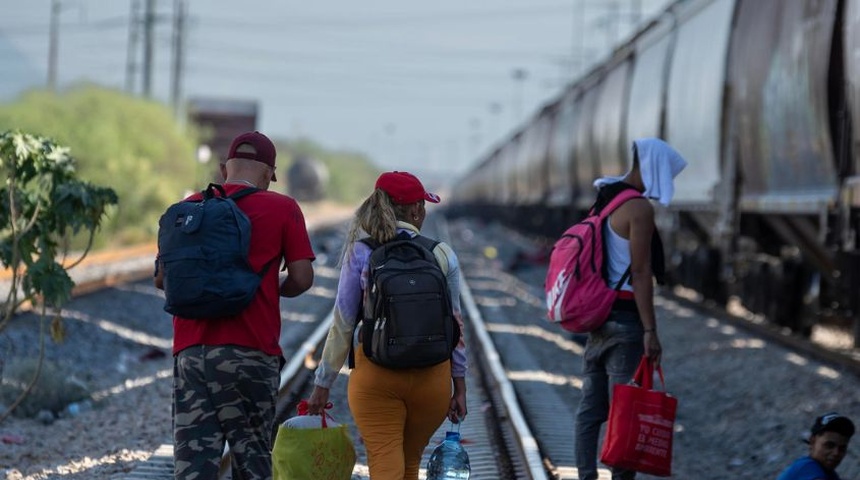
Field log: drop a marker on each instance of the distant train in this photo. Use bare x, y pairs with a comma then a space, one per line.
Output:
306, 179
762, 98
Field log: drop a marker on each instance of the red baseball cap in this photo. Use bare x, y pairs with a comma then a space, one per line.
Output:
404, 188
264, 149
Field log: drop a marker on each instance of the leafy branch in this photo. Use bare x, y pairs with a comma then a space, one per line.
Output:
42, 206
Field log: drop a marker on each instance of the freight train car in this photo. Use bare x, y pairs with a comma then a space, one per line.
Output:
762, 98
307, 178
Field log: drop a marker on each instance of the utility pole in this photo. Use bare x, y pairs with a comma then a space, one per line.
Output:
131, 53
53, 45
179, 12
148, 46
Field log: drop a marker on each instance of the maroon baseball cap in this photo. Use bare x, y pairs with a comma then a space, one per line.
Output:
264, 149
404, 188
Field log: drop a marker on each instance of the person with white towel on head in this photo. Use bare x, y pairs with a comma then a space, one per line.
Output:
613, 351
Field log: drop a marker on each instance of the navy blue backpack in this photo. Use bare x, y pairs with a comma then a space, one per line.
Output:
203, 249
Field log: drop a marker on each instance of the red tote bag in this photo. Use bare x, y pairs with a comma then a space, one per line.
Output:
641, 421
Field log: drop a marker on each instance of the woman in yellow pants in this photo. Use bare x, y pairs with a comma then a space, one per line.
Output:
396, 410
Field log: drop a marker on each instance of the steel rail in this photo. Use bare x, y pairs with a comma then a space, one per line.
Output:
293, 375
492, 366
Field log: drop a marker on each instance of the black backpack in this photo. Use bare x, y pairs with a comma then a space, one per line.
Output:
203, 248
408, 317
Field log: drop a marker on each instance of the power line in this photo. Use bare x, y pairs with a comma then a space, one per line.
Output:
179, 13
53, 45
409, 51
395, 19
109, 23
399, 75
131, 52
148, 46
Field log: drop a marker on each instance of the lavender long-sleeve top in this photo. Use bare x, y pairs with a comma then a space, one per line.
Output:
353, 281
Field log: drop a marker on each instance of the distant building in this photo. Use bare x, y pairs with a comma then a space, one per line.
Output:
220, 121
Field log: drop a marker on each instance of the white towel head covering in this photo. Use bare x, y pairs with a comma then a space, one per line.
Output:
659, 164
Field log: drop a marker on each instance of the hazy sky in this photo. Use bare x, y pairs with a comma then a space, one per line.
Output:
415, 85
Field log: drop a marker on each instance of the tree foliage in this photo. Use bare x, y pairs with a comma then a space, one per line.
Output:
131, 144
136, 147
42, 204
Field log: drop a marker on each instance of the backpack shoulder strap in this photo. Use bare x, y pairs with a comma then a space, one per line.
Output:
373, 244
370, 242
619, 199
240, 194
610, 207
209, 192
425, 242
243, 193
431, 245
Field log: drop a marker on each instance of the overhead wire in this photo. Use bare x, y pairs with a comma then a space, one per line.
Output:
108, 23
394, 18
329, 68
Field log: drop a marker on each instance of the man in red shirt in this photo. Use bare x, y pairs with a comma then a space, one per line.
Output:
226, 370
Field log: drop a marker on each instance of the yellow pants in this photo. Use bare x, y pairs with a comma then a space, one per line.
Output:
396, 412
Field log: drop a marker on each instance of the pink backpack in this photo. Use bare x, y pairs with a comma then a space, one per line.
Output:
577, 296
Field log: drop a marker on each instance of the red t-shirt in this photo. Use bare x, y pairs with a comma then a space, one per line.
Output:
277, 232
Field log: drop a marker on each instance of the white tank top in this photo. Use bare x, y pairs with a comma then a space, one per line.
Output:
617, 256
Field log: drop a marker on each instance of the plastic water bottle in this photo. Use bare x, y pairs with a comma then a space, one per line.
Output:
449, 460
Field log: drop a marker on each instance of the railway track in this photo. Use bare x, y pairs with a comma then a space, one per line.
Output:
724, 369
496, 434
525, 376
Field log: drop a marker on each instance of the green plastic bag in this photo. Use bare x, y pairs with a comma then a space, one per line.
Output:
313, 454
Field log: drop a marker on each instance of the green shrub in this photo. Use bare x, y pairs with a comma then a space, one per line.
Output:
129, 144
137, 148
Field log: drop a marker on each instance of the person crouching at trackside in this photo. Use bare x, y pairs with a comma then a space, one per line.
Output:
396, 410
828, 444
613, 351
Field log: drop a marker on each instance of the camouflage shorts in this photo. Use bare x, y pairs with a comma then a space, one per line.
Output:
223, 393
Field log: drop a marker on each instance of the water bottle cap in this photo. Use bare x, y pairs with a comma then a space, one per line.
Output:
452, 436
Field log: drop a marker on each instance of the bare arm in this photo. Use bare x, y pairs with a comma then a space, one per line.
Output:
299, 278
457, 409
641, 221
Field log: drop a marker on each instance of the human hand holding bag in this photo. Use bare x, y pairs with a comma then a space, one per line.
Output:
640, 427
312, 447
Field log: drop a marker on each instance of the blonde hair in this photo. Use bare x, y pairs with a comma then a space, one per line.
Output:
377, 216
